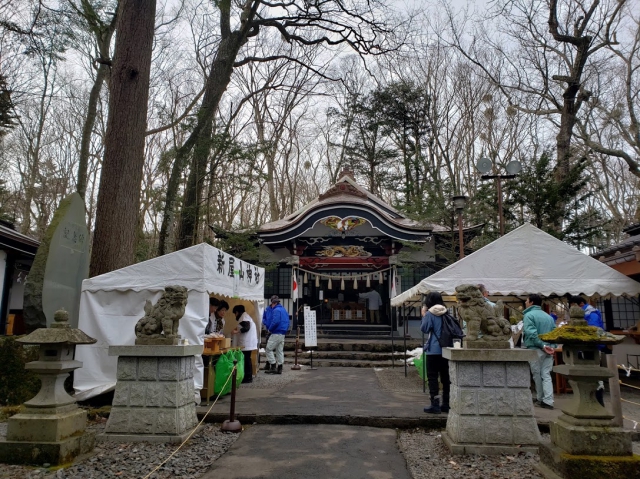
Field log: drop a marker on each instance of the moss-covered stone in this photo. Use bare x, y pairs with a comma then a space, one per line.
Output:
581, 335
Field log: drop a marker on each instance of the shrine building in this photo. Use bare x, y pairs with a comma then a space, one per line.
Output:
343, 243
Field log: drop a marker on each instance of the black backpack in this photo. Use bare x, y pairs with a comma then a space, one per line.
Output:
450, 330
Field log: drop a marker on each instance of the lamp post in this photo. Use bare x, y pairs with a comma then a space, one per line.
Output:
459, 202
484, 165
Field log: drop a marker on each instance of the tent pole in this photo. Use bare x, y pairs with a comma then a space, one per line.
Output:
393, 317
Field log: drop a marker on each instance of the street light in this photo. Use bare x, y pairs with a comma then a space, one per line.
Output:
484, 165
459, 202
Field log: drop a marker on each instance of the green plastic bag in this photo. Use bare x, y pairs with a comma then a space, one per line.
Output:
240, 358
421, 365
224, 368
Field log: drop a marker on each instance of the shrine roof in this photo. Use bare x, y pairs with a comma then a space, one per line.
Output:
10, 238
346, 200
347, 192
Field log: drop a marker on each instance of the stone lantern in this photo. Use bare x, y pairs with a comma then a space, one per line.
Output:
50, 428
584, 441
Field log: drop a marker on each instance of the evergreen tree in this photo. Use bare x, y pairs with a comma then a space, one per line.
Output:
7, 116
541, 198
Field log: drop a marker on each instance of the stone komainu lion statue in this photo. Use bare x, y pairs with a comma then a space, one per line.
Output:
163, 317
480, 316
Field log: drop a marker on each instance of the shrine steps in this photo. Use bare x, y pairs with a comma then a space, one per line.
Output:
356, 353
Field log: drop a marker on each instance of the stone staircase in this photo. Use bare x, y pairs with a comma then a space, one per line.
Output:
356, 353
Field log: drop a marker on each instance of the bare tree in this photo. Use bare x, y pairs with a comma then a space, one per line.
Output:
545, 73
330, 23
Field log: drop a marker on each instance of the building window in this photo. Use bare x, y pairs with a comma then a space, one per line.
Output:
624, 312
278, 281
412, 276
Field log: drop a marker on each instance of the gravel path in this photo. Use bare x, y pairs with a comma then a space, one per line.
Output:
428, 458
136, 460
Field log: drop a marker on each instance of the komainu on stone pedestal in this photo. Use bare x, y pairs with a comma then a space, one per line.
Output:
159, 325
485, 323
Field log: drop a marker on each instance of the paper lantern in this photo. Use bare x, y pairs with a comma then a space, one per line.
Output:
368, 281
342, 284
355, 283
381, 278
317, 281
329, 286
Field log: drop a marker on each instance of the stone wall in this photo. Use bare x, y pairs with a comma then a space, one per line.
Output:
153, 396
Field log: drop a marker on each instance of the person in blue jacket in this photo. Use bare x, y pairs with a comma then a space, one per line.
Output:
276, 320
432, 312
593, 316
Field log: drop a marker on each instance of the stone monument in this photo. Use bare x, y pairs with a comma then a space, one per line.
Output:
154, 396
51, 427
585, 443
60, 265
491, 403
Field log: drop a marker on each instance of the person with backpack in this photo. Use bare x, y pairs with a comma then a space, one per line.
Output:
433, 312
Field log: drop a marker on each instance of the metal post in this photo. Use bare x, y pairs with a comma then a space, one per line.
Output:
404, 339
424, 367
393, 349
296, 366
311, 365
460, 235
499, 179
231, 424
298, 348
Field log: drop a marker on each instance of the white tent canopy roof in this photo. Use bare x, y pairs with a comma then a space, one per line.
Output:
527, 260
200, 268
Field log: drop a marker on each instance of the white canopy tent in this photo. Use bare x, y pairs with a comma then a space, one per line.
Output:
526, 260
112, 303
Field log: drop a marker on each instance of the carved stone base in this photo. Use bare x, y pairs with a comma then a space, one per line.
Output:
556, 463
54, 453
154, 396
491, 403
592, 441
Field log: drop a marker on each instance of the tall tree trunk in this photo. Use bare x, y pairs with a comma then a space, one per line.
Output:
87, 129
190, 214
117, 212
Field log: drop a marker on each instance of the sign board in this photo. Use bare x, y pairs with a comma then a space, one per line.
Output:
310, 334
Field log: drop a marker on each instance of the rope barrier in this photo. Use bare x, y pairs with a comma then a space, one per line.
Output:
627, 369
194, 429
628, 385
631, 402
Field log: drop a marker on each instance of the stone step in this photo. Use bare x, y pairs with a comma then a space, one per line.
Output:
350, 345
346, 363
342, 355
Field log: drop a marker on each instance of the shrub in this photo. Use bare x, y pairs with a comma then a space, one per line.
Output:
17, 385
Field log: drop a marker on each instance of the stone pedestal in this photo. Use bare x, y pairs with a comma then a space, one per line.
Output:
50, 428
491, 403
154, 396
584, 441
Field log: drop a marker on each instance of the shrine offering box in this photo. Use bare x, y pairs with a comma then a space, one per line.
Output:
226, 343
